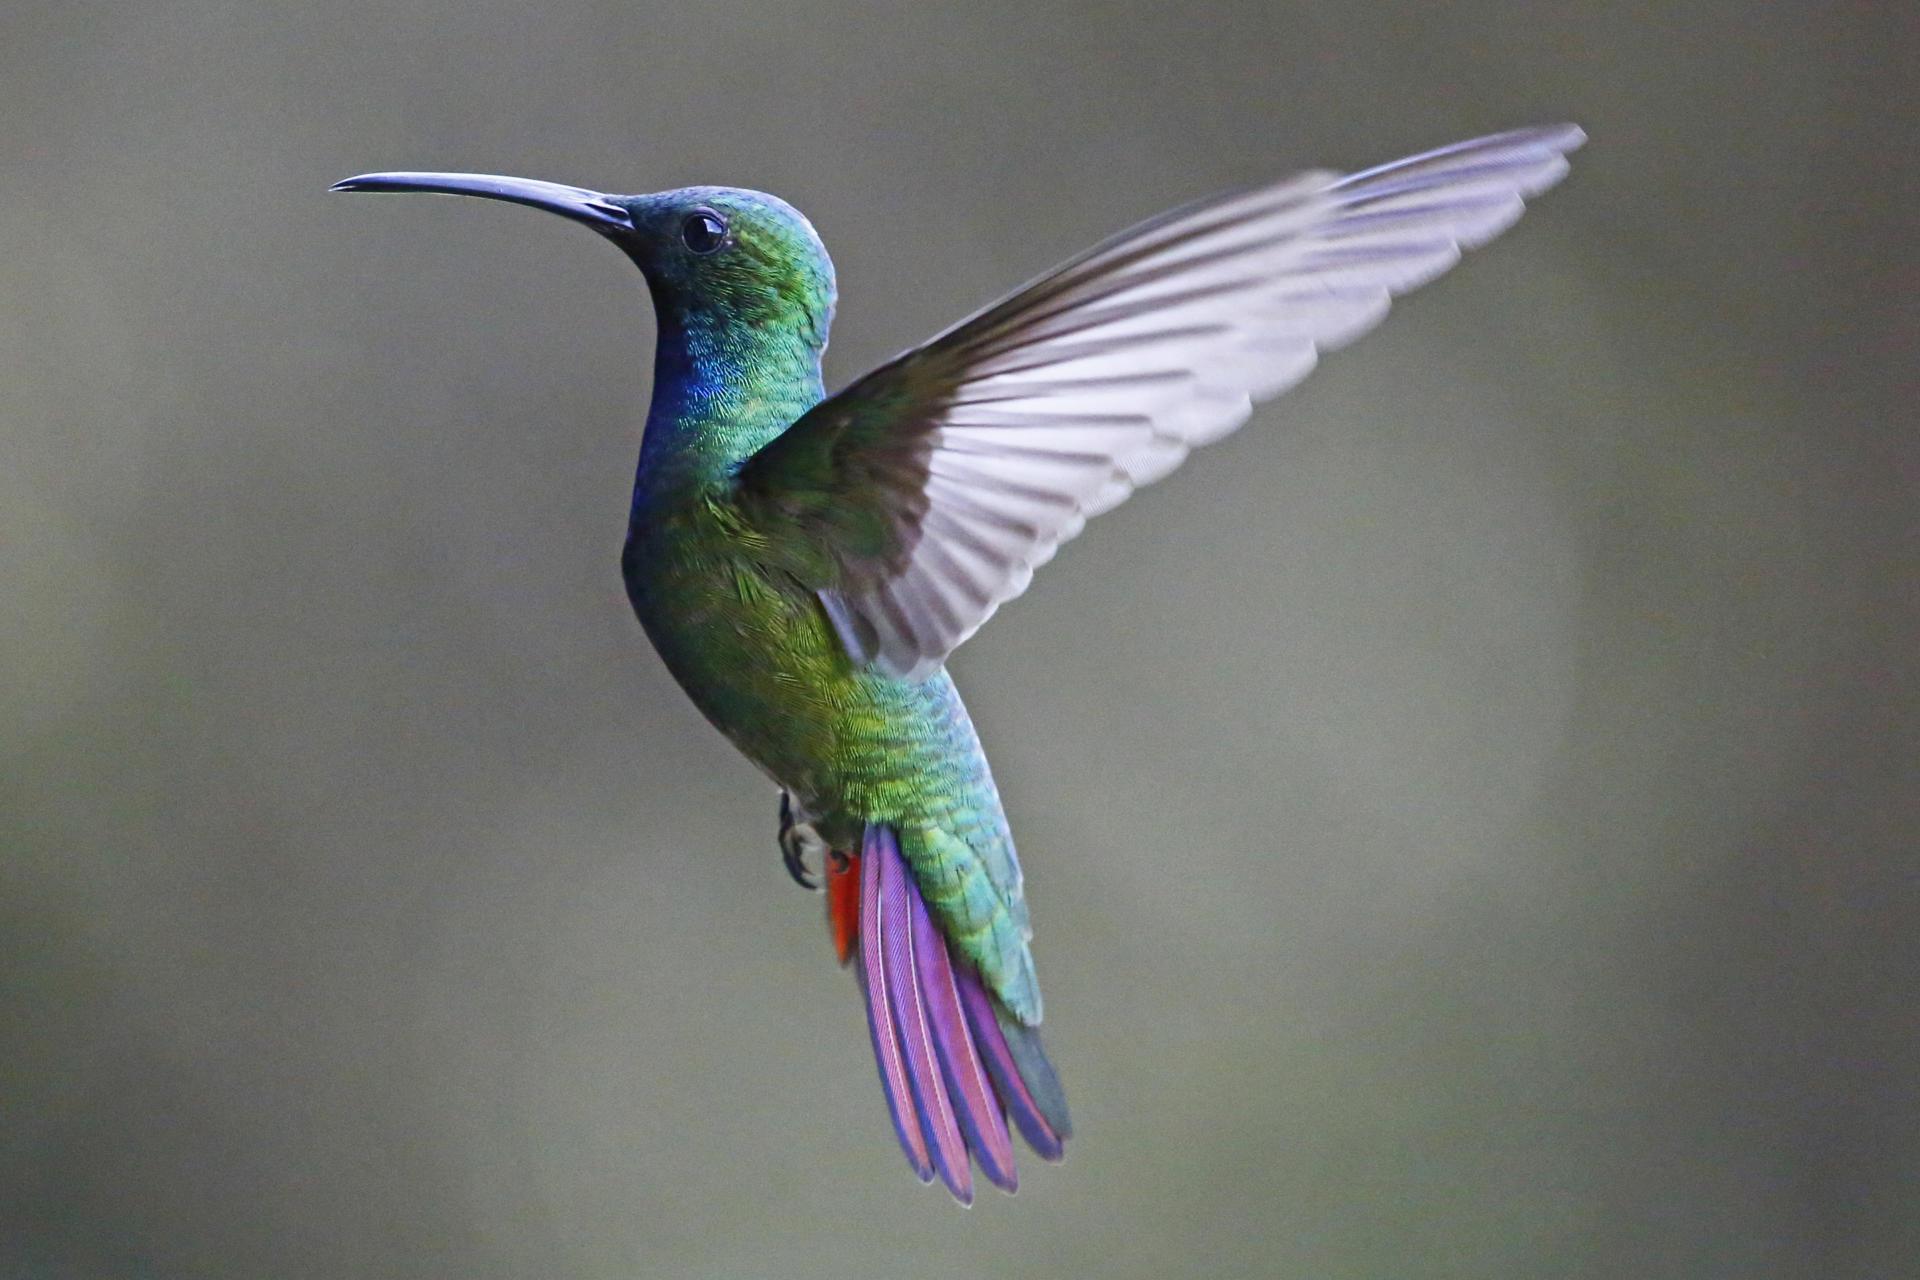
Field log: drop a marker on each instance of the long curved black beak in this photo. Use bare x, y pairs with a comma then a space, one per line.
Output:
591, 207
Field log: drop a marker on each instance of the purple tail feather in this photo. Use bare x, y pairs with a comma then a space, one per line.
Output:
951, 1059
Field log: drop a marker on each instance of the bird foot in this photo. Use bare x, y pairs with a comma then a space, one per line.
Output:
799, 842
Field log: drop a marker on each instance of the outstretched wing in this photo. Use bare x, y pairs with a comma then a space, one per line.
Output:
922, 497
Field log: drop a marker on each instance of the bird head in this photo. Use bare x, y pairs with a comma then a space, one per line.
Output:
712, 256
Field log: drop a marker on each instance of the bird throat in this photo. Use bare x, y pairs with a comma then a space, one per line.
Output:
722, 388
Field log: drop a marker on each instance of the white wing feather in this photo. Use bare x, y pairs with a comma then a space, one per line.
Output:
1103, 375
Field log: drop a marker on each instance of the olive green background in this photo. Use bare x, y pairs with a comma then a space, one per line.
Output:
1469, 815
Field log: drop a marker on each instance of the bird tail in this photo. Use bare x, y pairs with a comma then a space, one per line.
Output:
954, 1064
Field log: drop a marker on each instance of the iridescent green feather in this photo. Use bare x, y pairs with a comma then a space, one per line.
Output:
726, 591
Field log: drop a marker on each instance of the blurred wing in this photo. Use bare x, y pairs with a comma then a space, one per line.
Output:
923, 496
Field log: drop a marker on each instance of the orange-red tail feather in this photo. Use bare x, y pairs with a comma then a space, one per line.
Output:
843, 903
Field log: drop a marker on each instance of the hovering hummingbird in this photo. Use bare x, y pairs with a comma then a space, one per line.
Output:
804, 563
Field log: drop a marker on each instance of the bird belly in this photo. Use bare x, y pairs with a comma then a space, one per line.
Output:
755, 658
758, 656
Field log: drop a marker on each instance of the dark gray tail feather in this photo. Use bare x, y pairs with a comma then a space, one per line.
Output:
1042, 1082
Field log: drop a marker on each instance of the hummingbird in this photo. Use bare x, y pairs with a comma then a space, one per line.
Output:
805, 563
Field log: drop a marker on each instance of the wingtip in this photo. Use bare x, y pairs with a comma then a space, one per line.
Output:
1569, 136
1563, 136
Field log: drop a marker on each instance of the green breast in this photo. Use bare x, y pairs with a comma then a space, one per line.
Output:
746, 645
755, 652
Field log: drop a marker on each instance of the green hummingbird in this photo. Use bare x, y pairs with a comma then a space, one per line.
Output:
805, 563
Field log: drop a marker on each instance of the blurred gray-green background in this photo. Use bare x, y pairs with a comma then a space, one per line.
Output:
1469, 814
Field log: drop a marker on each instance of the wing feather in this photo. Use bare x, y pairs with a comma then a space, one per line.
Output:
980, 452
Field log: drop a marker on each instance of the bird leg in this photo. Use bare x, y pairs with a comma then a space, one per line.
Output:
799, 840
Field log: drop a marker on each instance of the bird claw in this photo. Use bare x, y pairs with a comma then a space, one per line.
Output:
797, 840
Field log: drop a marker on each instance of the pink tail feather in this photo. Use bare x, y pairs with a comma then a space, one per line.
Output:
950, 1060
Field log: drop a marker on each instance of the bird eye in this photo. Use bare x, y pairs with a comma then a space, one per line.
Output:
703, 231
